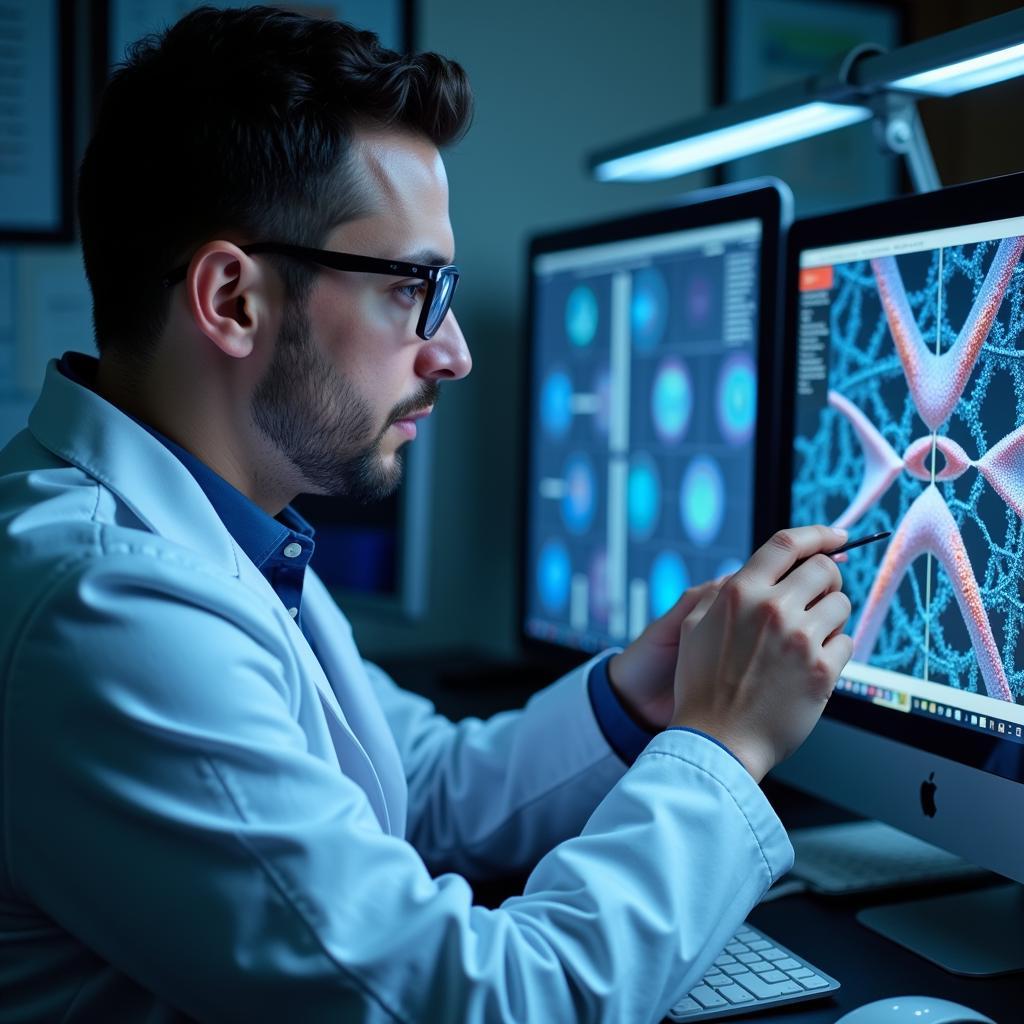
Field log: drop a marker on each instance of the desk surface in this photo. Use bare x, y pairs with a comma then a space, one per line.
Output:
823, 930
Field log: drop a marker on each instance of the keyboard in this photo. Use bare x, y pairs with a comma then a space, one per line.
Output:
861, 856
752, 973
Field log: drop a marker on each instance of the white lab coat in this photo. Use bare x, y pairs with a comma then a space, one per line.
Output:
199, 819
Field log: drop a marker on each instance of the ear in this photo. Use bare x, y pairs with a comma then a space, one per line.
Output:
227, 296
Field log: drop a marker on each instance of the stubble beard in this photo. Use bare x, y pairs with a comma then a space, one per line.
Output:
319, 422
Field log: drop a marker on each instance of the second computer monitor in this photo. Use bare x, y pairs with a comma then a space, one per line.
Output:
650, 342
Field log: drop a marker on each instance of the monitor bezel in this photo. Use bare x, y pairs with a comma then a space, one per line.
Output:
767, 200
977, 202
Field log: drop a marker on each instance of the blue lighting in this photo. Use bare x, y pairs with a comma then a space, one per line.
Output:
669, 578
581, 316
644, 496
736, 403
702, 500
580, 499
731, 142
556, 404
649, 310
672, 401
553, 572
964, 75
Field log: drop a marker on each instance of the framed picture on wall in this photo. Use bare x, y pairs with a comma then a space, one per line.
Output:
35, 121
764, 44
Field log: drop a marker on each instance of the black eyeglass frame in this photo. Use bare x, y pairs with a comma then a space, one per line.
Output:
433, 275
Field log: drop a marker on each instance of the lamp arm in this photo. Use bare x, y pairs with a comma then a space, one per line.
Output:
899, 131
897, 123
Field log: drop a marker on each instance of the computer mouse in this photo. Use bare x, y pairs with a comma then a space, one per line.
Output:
914, 1010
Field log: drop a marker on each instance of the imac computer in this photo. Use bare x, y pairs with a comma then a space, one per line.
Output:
647, 351
905, 384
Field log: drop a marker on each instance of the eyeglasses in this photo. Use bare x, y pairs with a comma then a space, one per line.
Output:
441, 281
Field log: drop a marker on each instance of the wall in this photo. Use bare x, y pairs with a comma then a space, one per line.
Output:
553, 81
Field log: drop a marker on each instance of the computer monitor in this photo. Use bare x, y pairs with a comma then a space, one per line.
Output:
647, 351
905, 378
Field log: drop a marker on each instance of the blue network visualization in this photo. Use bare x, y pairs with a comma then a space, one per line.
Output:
641, 447
910, 418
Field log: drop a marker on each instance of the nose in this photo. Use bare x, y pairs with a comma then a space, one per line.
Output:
446, 355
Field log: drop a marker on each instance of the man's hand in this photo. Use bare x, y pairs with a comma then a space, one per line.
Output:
643, 675
756, 670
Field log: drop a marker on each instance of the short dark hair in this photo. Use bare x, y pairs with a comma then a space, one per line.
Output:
239, 120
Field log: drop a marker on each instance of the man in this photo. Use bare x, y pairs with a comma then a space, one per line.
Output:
212, 808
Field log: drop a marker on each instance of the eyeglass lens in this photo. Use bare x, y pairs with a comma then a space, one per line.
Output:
442, 300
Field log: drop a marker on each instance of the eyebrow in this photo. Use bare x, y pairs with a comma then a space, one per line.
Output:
427, 258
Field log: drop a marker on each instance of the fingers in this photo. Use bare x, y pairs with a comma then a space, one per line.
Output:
828, 617
777, 557
810, 580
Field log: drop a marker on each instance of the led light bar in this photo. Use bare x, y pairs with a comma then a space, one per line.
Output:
976, 55
964, 75
731, 142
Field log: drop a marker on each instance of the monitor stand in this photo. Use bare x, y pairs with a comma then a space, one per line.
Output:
977, 933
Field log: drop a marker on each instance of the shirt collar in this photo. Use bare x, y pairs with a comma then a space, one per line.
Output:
258, 534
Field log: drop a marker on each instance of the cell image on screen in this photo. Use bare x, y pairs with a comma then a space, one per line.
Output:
641, 449
910, 418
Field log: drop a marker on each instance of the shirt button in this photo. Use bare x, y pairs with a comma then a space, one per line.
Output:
292, 550
293, 612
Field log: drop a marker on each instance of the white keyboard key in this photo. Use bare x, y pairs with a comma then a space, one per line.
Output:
707, 997
735, 994
812, 982
686, 1004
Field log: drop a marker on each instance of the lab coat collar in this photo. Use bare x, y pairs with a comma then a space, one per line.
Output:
86, 430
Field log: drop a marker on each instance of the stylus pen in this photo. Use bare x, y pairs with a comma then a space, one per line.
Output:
860, 542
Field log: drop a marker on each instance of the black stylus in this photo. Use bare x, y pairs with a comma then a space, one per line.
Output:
860, 542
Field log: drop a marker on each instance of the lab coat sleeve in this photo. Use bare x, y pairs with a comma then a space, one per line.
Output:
161, 804
491, 797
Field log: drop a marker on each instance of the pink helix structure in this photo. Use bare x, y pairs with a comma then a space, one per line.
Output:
936, 383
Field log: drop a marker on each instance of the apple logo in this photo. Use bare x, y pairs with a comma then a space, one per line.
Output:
928, 796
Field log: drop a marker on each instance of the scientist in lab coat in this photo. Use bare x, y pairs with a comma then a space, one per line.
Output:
211, 807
